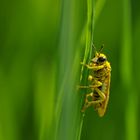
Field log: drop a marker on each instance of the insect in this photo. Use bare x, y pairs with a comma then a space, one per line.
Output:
98, 83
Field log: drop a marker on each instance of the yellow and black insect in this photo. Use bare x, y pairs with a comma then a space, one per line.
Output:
98, 83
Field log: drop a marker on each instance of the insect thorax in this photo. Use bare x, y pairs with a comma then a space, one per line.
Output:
101, 74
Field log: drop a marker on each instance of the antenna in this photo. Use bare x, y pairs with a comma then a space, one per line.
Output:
102, 46
93, 46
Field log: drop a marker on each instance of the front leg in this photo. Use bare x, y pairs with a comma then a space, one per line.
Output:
93, 67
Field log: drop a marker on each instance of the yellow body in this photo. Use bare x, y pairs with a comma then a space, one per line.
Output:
99, 84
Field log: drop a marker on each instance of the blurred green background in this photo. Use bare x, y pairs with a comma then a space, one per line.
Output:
42, 43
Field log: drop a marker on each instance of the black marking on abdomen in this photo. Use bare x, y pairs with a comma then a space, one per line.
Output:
100, 87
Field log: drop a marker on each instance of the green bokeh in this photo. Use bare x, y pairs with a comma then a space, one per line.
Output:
41, 45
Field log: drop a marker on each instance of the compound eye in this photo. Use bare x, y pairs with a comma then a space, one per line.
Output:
101, 59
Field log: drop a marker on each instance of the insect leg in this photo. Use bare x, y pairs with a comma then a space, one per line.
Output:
98, 67
86, 65
96, 84
93, 67
87, 102
92, 102
82, 87
101, 94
